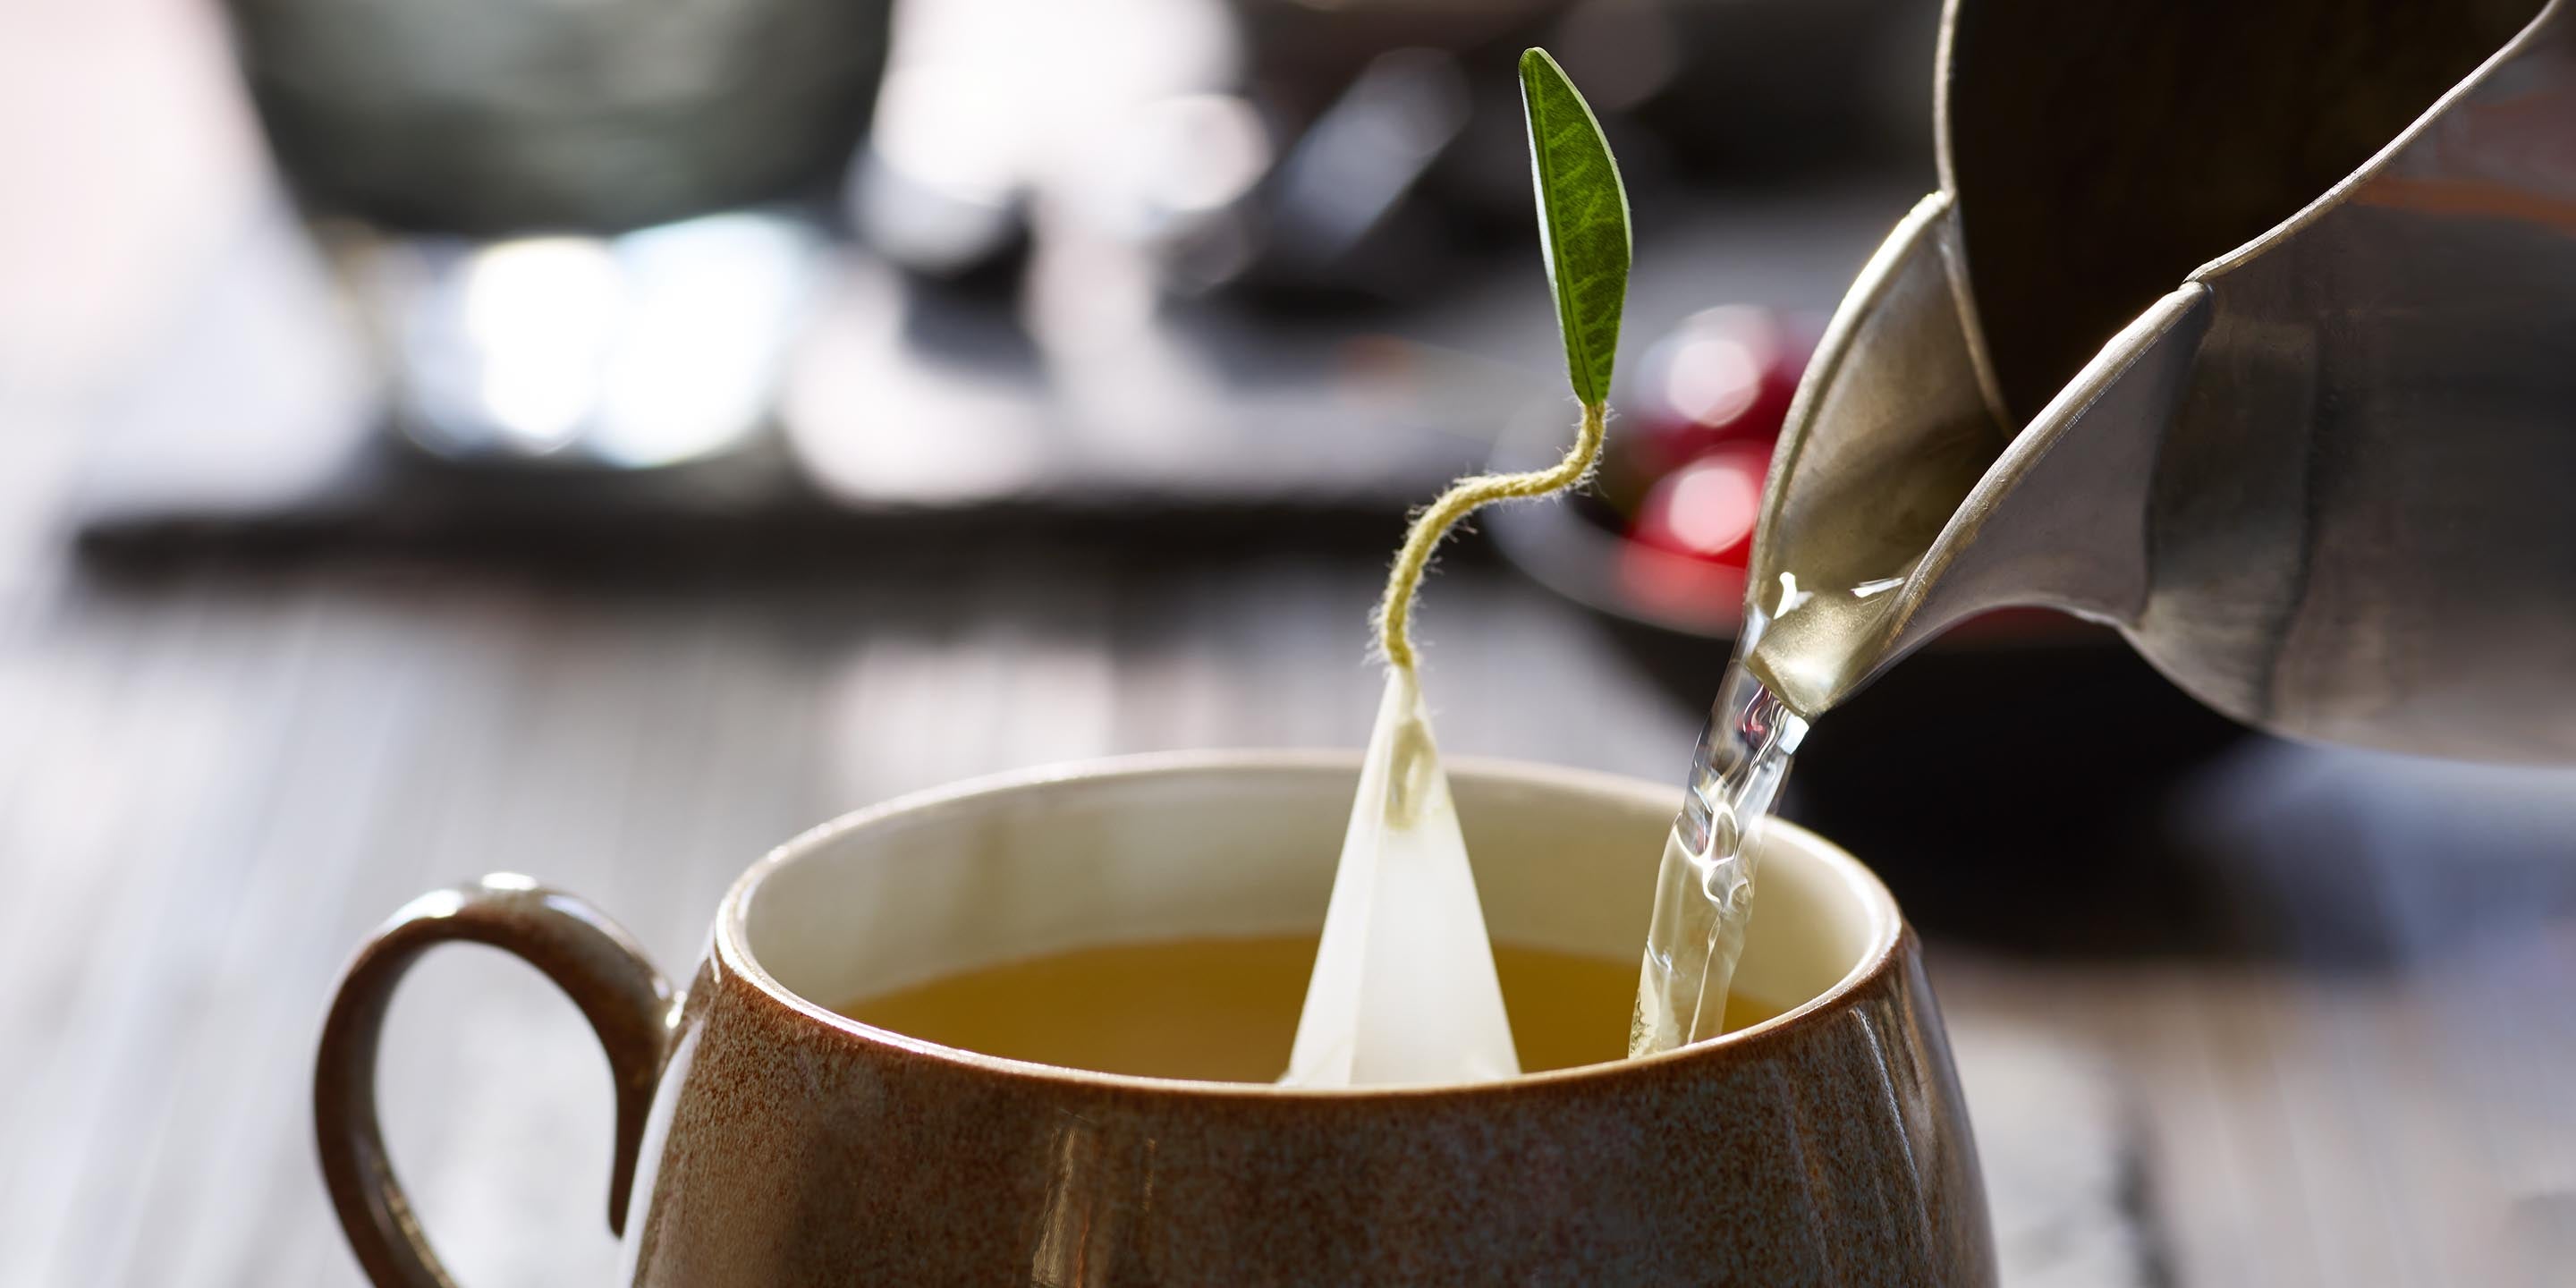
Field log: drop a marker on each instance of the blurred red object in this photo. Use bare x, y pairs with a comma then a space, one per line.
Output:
1686, 552
1725, 375
1707, 509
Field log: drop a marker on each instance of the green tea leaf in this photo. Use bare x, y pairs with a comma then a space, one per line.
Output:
1582, 222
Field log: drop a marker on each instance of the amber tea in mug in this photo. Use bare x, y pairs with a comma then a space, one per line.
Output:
1226, 1009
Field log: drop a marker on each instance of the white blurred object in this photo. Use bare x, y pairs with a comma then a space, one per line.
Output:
1404, 989
647, 348
969, 127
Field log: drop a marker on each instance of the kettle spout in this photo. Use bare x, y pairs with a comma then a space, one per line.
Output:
1902, 501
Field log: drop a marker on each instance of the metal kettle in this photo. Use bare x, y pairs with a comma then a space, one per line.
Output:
2247, 327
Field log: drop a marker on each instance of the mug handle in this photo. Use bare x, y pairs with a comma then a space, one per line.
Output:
629, 1005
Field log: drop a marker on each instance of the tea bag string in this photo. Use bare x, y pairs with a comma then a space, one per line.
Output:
1465, 497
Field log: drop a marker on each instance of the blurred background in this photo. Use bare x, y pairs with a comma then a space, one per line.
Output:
599, 438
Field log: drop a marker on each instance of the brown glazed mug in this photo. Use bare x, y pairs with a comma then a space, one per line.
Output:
764, 1141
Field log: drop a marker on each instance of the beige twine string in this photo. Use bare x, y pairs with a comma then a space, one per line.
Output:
1464, 497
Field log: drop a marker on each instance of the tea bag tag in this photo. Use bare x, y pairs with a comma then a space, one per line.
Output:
1404, 989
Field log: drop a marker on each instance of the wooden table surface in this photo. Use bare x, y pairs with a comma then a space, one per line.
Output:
213, 783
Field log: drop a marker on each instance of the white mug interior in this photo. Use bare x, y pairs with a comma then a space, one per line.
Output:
1222, 844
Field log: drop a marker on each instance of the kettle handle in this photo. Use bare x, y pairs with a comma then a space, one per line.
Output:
629, 1005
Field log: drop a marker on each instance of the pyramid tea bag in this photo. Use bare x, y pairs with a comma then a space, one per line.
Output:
1404, 989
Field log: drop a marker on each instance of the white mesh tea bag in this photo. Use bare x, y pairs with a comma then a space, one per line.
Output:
1404, 987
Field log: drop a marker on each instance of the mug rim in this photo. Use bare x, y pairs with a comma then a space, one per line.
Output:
731, 949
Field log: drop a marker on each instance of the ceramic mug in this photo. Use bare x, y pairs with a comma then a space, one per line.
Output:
764, 1140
